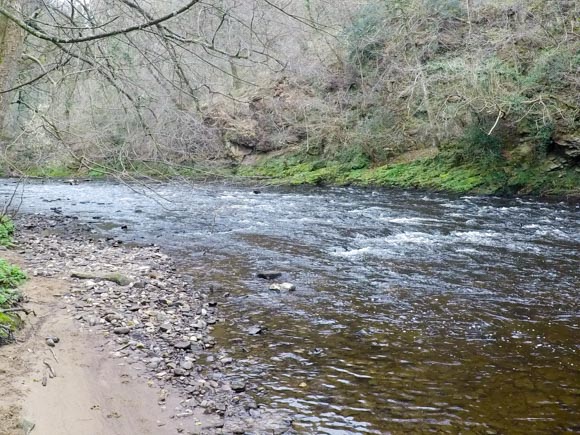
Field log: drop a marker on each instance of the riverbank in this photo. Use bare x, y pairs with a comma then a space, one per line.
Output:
549, 177
437, 173
130, 347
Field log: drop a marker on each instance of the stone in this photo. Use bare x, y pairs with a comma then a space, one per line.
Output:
182, 344
269, 274
166, 327
121, 330
186, 365
238, 386
285, 286
255, 330
179, 371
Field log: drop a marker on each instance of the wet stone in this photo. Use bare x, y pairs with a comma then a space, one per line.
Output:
269, 274
255, 330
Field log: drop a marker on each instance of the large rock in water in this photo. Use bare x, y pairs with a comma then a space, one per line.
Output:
269, 274
285, 286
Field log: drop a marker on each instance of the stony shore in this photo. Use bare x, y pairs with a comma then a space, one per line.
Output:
152, 318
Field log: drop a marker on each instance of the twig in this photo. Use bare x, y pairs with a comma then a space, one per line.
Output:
53, 355
51, 372
15, 310
499, 116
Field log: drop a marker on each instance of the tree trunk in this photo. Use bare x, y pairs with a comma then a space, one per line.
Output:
11, 41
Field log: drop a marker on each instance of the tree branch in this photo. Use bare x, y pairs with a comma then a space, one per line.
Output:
57, 40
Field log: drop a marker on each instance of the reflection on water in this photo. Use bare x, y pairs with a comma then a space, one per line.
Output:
414, 313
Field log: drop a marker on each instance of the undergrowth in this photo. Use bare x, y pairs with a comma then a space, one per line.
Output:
6, 231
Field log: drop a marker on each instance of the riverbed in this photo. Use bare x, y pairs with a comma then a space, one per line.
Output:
414, 312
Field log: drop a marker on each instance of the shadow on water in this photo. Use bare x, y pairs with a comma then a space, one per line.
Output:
414, 313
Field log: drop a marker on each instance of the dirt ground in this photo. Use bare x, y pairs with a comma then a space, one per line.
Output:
90, 392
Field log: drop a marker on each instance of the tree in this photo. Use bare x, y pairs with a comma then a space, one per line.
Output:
152, 61
11, 41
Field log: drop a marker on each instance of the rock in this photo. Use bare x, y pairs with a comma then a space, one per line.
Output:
269, 274
121, 330
285, 286
569, 145
50, 342
166, 327
179, 372
186, 365
238, 386
255, 330
182, 344
117, 278
54, 338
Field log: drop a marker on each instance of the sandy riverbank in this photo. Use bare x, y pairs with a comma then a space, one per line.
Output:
135, 352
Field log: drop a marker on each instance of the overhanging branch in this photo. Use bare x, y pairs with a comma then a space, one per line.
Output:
58, 40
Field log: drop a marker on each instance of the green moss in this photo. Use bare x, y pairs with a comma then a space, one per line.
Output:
50, 172
441, 173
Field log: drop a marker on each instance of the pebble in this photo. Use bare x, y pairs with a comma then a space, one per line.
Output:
182, 344
121, 330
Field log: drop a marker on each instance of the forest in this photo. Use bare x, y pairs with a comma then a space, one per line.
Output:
459, 95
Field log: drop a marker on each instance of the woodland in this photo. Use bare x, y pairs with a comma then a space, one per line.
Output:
448, 94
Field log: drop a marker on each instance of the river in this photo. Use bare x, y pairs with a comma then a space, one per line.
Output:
414, 312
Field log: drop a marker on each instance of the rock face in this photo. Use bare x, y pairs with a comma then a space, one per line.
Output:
161, 324
569, 145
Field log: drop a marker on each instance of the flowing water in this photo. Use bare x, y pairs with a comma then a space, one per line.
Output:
414, 312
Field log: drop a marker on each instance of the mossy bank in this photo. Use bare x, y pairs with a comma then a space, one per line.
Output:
440, 173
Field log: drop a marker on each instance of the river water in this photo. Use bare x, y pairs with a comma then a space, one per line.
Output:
414, 312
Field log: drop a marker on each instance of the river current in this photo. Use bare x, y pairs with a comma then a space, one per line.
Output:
414, 312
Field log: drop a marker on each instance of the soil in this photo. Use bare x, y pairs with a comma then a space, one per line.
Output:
90, 394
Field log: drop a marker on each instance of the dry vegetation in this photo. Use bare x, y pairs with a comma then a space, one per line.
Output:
362, 83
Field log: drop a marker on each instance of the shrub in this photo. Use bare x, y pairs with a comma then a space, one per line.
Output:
6, 231
10, 276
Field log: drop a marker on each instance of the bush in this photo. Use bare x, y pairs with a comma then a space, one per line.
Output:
6, 231
10, 277
476, 146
